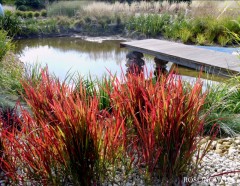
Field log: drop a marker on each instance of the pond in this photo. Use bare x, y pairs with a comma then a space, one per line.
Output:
74, 55
95, 56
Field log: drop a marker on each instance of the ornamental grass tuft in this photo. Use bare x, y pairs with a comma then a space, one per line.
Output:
81, 136
163, 124
65, 139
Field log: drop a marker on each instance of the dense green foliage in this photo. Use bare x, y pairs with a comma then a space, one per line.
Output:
10, 23
223, 102
5, 44
29, 4
9, 2
204, 30
10, 68
144, 19
223, 105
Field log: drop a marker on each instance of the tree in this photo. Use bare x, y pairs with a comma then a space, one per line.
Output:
34, 4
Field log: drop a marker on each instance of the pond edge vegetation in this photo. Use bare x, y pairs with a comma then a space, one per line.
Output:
192, 24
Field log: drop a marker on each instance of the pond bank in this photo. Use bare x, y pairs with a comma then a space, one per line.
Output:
97, 32
91, 30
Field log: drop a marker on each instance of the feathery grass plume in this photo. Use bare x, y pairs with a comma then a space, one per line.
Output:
65, 8
216, 9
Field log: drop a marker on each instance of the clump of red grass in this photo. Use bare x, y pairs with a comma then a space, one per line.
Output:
9, 118
163, 122
69, 138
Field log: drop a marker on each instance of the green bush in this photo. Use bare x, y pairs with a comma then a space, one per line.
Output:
36, 14
24, 15
19, 13
10, 23
185, 35
151, 25
223, 39
30, 14
33, 4
204, 30
23, 8
43, 13
223, 102
63, 22
19, 3
10, 68
5, 44
200, 39
78, 23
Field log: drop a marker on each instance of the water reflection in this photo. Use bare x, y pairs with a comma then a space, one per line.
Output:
95, 50
71, 54
84, 57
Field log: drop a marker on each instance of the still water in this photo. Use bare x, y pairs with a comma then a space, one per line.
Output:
94, 56
75, 55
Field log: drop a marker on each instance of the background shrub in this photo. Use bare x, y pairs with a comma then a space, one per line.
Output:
36, 14
5, 44
33, 4
11, 69
30, 14
10, 23
23, 8
43, 13
19, 13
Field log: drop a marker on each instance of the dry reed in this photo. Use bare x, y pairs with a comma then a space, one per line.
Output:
195, 9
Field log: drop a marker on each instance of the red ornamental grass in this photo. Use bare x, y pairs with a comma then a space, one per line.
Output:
67, 140
31, 154
163, 121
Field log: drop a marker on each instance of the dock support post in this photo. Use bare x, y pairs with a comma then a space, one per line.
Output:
160, 67
134, 63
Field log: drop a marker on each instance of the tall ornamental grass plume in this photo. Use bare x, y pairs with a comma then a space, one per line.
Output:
163, 124
65, 140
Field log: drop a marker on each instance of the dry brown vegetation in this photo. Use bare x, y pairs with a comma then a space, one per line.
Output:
195, 9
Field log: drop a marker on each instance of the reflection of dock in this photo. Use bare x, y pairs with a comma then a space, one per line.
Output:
197, 58
191, 73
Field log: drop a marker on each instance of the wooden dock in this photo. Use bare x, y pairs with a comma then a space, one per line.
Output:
193, 57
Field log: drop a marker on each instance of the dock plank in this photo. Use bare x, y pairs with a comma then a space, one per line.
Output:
186, 55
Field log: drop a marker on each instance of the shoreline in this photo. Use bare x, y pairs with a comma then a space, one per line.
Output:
99, 37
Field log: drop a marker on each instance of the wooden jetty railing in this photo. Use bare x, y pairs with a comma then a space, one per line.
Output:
193, 57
